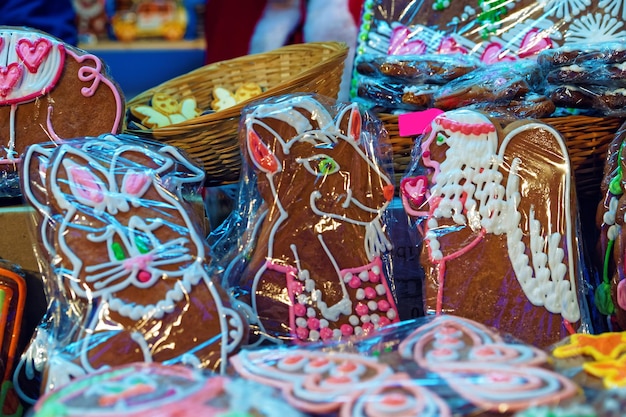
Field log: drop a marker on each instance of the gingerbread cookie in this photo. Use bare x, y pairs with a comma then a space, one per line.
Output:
50, 90
305, 280
127, 260
495, 210
143, 389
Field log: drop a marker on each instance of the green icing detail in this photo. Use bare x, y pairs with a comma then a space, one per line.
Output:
602, 299
52, 409
142, 246
118, 252
615, 185
492, 12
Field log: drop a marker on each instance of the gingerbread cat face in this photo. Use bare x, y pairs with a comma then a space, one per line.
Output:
122, 234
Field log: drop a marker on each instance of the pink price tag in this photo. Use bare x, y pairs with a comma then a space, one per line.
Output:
412, 124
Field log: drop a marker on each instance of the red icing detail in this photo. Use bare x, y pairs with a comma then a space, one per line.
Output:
399, 43
370, 293
374, 278
534, 42
388, 192
339, 380
455, 126
86, 184
361, 309
448, 340
441, 352
449, 45
290, 360
346, 330
355, 124
394, 400
347, 367
319, 362
9, 76
33, 53
484, 351
355, 282
493, 53
261, 154
296, 287
415, 188
144, 276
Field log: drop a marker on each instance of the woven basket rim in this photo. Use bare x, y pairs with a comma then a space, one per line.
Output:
337, 52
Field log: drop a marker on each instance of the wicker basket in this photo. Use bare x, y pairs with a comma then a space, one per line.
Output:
212, 138
587, 138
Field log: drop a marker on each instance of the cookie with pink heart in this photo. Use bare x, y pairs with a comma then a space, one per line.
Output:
50, 91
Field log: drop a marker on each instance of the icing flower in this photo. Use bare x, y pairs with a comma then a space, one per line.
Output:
605, 346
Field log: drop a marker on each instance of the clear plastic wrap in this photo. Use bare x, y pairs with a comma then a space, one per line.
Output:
125, 262
494, 210
157, 390
431, 366
307, 251
610, 294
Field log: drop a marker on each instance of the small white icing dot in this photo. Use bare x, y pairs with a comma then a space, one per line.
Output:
376, 269
347, 277
358, 330
302, 298
337, 334
364, 275
365, 318
375, 318
323, 323
310, 312
360, 294
354, 320
309, 285
301, 322
372, 305
380, 289
391, 314
314, 335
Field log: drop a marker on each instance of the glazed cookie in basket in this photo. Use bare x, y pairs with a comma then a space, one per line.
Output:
313, 265
128, 277
50, 90
496, 212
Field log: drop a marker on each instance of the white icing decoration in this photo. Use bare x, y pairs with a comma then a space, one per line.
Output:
564, 9
614, 7
597, 27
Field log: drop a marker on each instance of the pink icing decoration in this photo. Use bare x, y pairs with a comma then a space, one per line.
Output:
326, 333
86, 185
534, 42
621, 294
383, 306
141, 262
367, 327
361, 309
33, 53
355, 282
9, 76
144, 276
370, 293
414, 189
493, 53
346, 329
384, 321
313, 323
134, 182
299, 310
449, 45
374, 278
399, 44
302, 332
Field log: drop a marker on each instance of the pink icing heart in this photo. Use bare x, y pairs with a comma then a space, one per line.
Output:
534, 42
493, 53
9, 76
399, 44
449, 45
33, 53
414, 189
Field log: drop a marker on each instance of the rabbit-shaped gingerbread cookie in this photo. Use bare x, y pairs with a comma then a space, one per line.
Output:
127, 257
